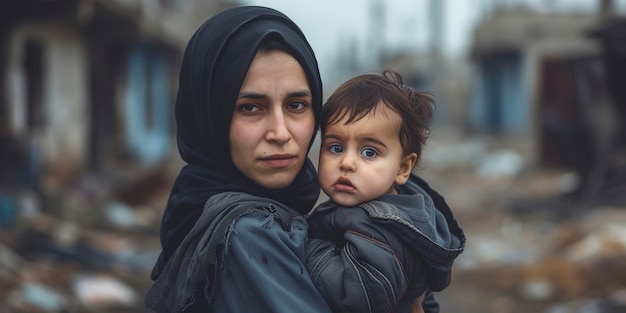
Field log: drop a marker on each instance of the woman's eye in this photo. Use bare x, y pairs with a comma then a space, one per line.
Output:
248, 108
369, 153
298, 105
335, 148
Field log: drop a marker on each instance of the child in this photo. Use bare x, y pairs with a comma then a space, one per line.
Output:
384, 238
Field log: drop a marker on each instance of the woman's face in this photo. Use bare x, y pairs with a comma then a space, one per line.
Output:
273, 121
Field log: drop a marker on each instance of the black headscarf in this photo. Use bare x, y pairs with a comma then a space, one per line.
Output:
214, 66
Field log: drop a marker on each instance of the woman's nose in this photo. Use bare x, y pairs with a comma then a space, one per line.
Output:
278, 130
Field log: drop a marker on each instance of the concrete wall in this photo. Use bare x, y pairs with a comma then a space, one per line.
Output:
62, 135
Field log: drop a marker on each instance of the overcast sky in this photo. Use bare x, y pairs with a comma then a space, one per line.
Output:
329, 23
326, 21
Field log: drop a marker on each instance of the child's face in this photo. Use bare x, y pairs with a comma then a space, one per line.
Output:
363, 160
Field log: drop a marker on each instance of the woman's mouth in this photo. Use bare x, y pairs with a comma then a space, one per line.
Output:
278, 160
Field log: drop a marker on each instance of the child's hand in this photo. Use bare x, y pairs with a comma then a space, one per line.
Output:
417, 304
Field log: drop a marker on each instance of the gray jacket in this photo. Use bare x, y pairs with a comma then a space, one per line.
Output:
381, 255
244, 254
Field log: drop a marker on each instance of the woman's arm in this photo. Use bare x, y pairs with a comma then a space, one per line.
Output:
262, 268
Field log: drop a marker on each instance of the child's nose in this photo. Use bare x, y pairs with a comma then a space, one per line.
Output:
348, 162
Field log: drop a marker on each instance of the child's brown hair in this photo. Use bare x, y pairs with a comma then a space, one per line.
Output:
360, 95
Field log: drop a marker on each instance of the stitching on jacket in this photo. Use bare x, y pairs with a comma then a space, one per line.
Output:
320, 264
372, 240
379, 274
383, 246
350, 257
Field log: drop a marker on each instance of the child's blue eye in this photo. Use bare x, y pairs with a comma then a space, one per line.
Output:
369, 153
335, 148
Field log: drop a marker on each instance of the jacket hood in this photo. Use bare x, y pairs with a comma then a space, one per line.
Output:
438, 230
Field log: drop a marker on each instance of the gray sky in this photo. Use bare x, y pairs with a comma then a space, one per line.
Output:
325, 21
329, 23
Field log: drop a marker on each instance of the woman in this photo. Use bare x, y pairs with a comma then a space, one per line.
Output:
247, 111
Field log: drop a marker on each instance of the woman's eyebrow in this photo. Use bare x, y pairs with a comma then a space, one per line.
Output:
300, 93
255, 95
251, 95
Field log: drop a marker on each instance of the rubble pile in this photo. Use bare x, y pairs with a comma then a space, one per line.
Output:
570, 262
548, 259
88, 246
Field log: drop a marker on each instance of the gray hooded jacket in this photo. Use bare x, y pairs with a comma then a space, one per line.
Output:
379, 256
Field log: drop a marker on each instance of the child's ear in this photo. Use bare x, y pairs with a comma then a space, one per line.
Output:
406, 167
